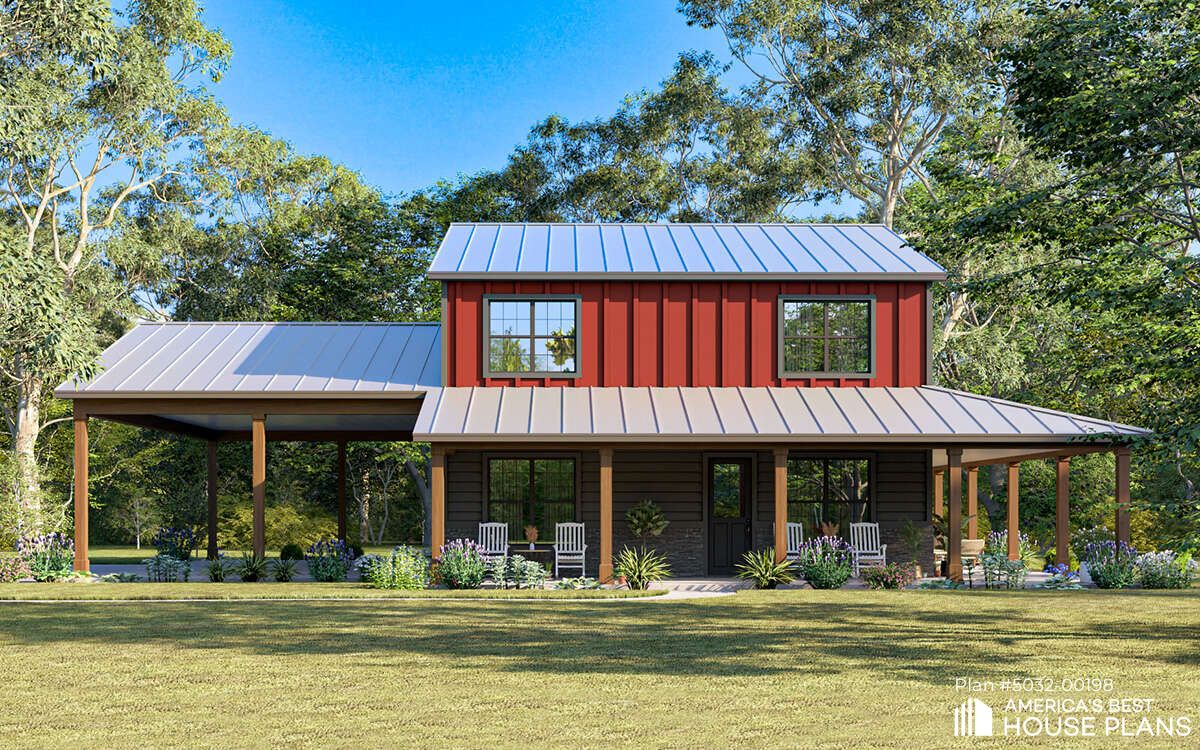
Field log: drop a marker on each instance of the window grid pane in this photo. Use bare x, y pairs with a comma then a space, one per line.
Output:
532, 336
826, 336
538, 491
828, 494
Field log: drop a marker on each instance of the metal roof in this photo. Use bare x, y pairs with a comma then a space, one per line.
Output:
914, 415
267, 359
795, 251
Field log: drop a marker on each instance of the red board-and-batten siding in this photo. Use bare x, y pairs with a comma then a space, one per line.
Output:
679, 333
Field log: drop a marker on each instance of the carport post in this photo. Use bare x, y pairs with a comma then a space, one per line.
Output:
1062, 516
81, 492
258, 471
212, 500
1014, 499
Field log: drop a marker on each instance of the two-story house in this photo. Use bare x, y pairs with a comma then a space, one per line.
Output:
739, 376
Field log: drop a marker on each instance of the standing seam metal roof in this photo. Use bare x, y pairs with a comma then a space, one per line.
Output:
857, 251
915, 414
313, 359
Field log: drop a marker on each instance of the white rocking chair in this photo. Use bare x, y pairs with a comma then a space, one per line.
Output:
864, 540
569, 547
493, 541
795, 539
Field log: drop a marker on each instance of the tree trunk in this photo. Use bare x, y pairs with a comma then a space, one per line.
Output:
426, 501
30, 515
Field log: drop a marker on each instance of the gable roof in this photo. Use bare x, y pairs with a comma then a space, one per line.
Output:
718, 251
267, 359
915, 415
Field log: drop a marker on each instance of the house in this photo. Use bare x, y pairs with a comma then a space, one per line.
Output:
740, 376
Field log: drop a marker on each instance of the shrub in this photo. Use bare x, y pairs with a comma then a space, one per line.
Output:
49, 557
583, 582
329, 560
646, 520
1111, 564
176, 541
167, 569
292, 522
291, 552
119, 578
218, 568
461, 564
1091, 535
941, 583
515, 570
14, 569
1061, 578
762, 568
999, 571
996, 543
641, 566
890, 576
283, 571
1165, 570
826, 562
406, 568
251, 568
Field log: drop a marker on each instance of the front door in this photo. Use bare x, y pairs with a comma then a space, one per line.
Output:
728, 512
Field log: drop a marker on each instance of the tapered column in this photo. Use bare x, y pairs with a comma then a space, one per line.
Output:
1122, 524
258, 472
341, 488
954, 514
212, 500
781, 456
1062, 516
437, 491
81, 493
1013, 511
939, 500
606, 515
973, 503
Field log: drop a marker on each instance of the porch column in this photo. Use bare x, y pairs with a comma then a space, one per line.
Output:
939, 500
341, 489
606, 512
973, 503
258, 472
1062, 518
212, 500
1122, 525
437, 492
781, 456
954, 516
81, 492
1014, 499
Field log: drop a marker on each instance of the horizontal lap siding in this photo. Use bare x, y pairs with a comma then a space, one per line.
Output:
681, 333
902, 486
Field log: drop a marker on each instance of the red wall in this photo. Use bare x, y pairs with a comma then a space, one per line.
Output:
688, 333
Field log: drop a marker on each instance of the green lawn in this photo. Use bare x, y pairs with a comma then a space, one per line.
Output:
235, 590
848, 669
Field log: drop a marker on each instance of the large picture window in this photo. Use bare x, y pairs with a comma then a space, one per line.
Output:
826, 336
828, 494
532, 336
531, 491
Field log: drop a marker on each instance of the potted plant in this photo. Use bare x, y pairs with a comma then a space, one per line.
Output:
531, 535
913, 537
829, 528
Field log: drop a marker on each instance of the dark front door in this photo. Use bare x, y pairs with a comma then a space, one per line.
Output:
728, 512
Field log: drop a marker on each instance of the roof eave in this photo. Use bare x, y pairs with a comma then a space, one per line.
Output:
680, 276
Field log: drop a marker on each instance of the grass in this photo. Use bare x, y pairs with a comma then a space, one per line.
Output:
231, 591
846, 669
105, 554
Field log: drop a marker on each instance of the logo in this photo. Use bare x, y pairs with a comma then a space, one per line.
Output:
973, 719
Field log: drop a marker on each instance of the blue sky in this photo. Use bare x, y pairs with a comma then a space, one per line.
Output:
408, 93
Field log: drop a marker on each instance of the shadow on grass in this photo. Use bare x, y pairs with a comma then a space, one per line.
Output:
924, 637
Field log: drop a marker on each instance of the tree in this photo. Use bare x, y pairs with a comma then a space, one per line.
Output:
868, 86
94, 107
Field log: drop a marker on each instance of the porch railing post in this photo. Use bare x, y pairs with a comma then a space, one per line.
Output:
781, 456
606, 514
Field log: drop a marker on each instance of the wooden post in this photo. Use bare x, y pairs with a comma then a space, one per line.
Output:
437, 491
341, 489
939, 500
1122, 521
81, 493
781, 457
258, 471
606, 515
1014, 500
1062, 519
954, 516
973, 503
212, 500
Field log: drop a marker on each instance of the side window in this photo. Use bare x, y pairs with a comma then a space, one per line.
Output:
826, 336
533, 336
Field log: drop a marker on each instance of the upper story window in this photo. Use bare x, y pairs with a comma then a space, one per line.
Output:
826, 337
531, 336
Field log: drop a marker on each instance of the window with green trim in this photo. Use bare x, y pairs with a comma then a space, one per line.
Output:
531, 491
826, 336
532, 336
